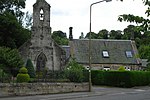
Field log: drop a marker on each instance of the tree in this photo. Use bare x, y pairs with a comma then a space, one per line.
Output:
60, 38
10, 60
82, 36
28, 20
93, 35
142, 22
103, 34
30, 68
14, 7
142, 26
74, 71
115, 34
12, 34
144, 52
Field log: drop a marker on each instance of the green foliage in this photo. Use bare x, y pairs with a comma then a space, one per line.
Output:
12, 6
60, 38
121, 68
23, 70
93, 35
4, 77
103, 34
10, 60
23, 75
12, 35
30, 68
23, 78
115, 34
74, 71
121, 78
144, 52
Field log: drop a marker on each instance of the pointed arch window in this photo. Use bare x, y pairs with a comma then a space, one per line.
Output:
41, 62
41, 14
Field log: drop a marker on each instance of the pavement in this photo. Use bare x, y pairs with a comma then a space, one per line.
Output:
96, 91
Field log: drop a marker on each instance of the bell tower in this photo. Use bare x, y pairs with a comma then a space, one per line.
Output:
41, 14
42, 46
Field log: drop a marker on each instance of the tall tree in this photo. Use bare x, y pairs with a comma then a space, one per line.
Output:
60, 38
115, 34
142, 22
10, 60
93, 35
103, 34
82, 36
30, 68
12, 34
13, 6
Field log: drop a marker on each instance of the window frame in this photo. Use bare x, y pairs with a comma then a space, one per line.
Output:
105, 54
129, 54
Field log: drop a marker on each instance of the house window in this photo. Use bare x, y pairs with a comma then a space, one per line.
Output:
41, 14
105, 54
106, 68
129, 54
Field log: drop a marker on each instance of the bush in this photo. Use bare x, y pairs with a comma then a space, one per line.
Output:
23, 75
30, 69
21, 78
74, 72
121, 68
23, 70
121, 78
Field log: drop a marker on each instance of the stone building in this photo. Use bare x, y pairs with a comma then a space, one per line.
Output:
106, 54
41, 48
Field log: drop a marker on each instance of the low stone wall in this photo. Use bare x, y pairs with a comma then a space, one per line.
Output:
20, 89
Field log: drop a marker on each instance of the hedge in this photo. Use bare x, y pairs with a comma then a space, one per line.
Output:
120, 78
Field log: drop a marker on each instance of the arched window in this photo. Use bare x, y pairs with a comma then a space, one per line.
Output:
41, 14
41, 62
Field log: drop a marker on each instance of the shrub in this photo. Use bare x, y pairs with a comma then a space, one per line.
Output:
23, 70
121, 78
30, 68
121, 68
23, 75
74, 72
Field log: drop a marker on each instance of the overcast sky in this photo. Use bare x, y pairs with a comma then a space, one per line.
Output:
75, 13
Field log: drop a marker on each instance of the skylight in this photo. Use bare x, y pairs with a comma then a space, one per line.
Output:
105, 54
129, 54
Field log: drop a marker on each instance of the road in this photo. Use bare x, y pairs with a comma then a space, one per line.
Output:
98, 93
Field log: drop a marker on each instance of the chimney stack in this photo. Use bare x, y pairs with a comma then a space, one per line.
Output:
70, 33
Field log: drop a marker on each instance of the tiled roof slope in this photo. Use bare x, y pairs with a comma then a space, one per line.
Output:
116, 49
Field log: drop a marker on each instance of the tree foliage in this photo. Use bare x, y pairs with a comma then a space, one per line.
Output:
10, 60
30, 68
60, 38
12, 33
23, 76
143, 23
74, 71
13, 6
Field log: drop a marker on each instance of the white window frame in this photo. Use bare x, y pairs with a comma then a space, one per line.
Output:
129, 54
105, 54
106, 68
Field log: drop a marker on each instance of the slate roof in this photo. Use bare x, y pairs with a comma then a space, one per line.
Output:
116, 49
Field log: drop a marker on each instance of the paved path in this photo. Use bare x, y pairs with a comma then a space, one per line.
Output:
105, 93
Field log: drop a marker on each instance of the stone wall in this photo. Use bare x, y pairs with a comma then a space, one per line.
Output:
20, 89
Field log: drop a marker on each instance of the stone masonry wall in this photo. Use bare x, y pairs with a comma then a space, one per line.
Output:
20, 89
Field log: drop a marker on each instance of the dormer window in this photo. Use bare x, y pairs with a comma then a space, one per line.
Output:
129, 54
105, 54
41, 14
